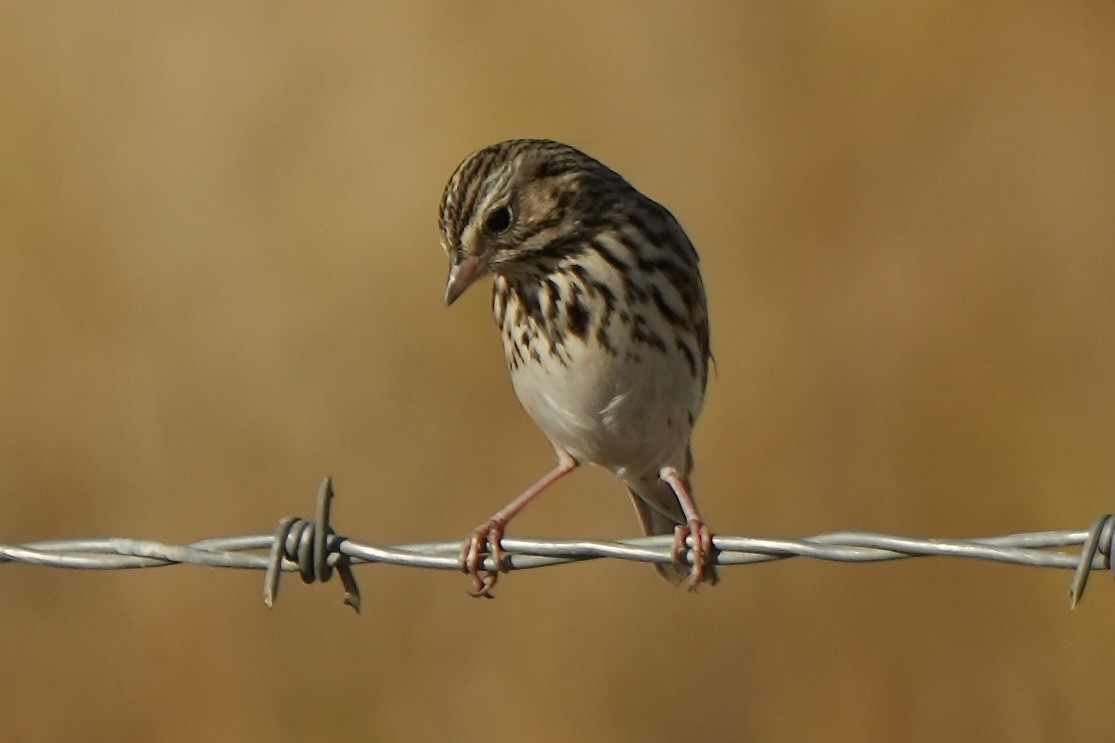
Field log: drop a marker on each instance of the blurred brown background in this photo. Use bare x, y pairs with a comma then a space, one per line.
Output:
220, 280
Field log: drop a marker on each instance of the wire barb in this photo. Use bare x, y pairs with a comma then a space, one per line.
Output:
1099, 539
314, 548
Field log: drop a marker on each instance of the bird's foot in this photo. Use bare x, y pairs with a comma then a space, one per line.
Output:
703, 569
484, 541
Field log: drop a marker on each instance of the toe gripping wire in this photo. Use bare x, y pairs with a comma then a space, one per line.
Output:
1099, 541
312, 548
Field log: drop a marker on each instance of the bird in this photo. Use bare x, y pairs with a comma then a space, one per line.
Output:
598, 297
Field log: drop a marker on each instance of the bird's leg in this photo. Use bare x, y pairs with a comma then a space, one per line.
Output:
694, 526
485, 539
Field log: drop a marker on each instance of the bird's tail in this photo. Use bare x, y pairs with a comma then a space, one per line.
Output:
659, 512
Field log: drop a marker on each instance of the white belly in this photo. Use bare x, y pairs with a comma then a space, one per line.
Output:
631, 417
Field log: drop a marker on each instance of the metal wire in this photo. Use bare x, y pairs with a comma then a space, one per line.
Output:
311, 548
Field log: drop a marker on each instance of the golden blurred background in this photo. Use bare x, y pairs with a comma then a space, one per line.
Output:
221, 281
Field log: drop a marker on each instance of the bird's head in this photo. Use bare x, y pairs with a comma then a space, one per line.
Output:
515, 207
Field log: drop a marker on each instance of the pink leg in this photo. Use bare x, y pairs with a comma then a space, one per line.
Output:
485, 539
694, 527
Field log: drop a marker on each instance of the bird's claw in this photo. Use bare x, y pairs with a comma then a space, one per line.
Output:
484, 541
702, 570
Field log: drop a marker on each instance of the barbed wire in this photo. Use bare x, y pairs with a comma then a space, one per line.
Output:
311, 548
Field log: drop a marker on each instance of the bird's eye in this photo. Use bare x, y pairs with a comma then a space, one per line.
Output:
499, 220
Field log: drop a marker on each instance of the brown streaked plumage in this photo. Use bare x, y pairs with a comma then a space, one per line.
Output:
598, 298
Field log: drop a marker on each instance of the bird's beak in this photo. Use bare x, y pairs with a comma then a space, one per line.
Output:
462, 274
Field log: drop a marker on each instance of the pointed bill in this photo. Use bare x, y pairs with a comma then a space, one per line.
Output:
462, 274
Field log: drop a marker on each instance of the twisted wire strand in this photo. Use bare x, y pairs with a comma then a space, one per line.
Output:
314, 550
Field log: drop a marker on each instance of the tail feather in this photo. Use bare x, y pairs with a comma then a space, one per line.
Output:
659, 513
